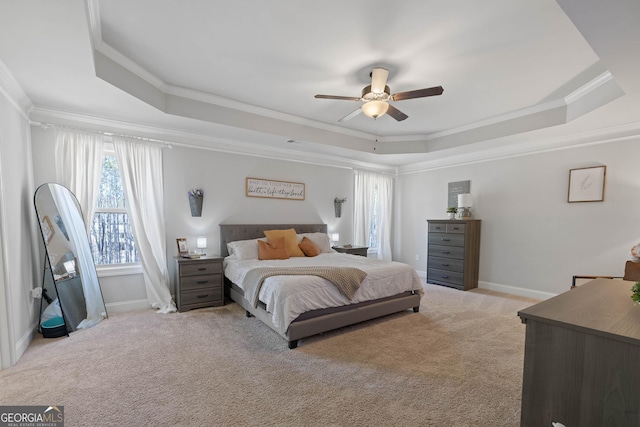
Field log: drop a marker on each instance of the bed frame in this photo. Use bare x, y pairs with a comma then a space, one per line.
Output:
316, 321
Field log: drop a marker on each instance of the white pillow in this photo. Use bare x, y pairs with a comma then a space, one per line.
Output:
244, 249
321, 240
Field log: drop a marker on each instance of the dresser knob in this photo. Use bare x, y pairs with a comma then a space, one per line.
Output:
445, 252
445, 240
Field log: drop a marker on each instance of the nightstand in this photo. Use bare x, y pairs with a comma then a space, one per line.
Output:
199, 282
353, 250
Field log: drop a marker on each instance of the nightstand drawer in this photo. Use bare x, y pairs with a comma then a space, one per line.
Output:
446, 251
448, 264
199, 282
446, 239
201, 296
444, 277
201, 268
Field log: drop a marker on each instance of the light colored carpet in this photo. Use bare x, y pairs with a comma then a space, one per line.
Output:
456, 363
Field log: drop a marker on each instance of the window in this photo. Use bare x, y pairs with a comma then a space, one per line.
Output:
373, 231
111, 238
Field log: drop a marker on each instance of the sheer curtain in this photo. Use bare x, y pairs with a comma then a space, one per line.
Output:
78, 158
373, 204
141, 170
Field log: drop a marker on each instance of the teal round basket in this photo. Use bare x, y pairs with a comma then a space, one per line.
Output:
54, 327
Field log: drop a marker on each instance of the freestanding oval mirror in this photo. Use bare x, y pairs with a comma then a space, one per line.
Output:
71, 294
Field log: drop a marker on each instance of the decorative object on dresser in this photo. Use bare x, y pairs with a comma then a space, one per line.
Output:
451, 212
353, 250
199, 282
196, 196
453, 253
465, 201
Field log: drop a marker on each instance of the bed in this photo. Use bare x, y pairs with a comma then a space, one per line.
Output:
378, 296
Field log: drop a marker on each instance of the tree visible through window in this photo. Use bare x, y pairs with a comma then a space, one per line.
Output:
111, 238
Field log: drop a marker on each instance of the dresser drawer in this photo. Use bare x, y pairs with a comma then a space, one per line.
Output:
455, 228
445, 277
200, 268
448, 264
446, 251
199, 282
445, 239
437, 228
201, 296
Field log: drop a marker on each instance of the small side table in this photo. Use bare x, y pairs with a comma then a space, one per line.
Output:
199, 282
353, 250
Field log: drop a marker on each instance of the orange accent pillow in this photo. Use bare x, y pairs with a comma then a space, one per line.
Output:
290, 240
273, 249
308, 247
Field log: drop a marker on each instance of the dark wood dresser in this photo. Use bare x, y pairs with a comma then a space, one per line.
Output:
199, 282
453, 253
582, 358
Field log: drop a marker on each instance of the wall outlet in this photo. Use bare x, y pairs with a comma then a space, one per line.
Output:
35, 293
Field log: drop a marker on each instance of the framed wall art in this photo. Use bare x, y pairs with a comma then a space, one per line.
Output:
587, 184
270, 189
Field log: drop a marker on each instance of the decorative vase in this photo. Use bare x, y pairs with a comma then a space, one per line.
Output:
196, 205
338, 209
452, 215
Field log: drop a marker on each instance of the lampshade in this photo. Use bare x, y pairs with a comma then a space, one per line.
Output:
465, 200
201, 242
335, 237
375, 109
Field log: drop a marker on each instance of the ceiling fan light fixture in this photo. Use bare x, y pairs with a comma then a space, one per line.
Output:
375, 109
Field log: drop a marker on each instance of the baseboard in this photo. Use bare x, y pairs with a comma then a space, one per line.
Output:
123, 306
23, 343
523, 292
512, 290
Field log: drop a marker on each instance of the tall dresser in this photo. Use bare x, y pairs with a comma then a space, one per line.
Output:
453, 253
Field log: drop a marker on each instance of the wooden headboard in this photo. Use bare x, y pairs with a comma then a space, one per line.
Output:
234, 232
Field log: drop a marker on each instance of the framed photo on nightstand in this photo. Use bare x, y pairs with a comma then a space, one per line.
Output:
182, 246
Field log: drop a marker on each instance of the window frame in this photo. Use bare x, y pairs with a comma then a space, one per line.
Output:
120, 269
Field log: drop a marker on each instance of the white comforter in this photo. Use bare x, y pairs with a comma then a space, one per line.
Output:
286, 297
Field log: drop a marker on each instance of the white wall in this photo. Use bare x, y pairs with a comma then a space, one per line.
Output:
222, 177
19, 269
532, 240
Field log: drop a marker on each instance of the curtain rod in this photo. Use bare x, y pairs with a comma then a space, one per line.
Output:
44, 125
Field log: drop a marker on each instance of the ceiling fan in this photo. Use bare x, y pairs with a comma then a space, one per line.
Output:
376, 97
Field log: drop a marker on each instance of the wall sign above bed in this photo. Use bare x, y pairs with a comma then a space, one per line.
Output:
270, 189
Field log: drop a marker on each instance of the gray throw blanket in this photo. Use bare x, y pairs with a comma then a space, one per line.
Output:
346, 279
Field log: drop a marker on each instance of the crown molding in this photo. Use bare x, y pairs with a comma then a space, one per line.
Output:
14, 93
48, 117
460, 156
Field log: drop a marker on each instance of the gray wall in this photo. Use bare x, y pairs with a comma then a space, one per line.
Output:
222, 177
18, 244
532, 240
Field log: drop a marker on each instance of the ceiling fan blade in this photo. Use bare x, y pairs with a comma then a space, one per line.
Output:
344, 98
420, 93
379, 80
351, 115
396, 114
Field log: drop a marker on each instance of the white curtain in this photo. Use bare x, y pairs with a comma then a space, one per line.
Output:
78, 163
373, 201
141, 171
78, 159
